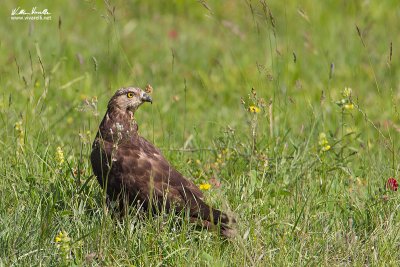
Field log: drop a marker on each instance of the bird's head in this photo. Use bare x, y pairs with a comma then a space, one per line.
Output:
129, 99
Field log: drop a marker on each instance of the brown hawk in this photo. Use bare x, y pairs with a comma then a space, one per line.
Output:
131, 170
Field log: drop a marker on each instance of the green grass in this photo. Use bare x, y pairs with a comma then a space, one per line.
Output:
295, 204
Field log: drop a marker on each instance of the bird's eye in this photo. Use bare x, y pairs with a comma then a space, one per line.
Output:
129, 95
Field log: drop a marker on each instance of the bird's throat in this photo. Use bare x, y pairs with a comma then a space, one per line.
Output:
118, 125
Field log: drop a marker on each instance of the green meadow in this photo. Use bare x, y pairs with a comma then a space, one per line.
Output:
284, 112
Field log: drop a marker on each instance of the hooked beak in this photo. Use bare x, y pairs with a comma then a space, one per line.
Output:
146, 98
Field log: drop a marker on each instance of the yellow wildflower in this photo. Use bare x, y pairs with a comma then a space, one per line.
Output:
63, 241
70, 120
254, 109
347, 92
325, 148
62, 237
20, 133
59, 156
323, 142
346, 103
205, 186
18, 126
349, 106
59, 237
322, 139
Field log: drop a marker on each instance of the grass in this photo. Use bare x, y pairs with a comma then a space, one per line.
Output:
296, 204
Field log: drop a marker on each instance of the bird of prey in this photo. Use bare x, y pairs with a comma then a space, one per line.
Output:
133, 171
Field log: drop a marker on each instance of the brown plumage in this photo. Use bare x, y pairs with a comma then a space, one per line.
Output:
132, 170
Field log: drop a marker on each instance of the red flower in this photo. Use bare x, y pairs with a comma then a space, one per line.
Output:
392, 184
172, 34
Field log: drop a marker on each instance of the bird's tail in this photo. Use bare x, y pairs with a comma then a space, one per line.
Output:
212, 217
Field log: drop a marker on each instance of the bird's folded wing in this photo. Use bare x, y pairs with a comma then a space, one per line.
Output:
148, 167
